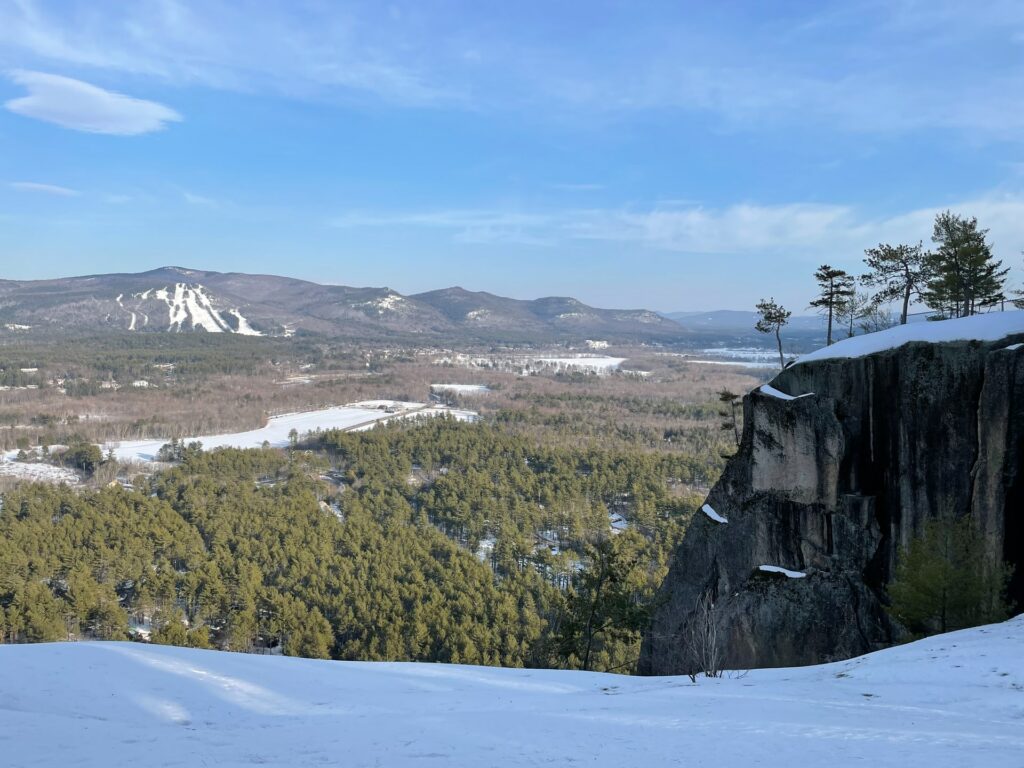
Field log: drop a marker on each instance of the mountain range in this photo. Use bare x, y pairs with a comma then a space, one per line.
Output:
175, 299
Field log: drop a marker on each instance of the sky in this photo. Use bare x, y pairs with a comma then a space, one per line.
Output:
665, 155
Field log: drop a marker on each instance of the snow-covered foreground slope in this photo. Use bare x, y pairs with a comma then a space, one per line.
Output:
954, 700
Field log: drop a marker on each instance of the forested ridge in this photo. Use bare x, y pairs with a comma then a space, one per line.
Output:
439, 541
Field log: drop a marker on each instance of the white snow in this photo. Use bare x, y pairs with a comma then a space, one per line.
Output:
784, 571
946, 702
420, 413
244, 328
526, 365
710, 512
771, 391
462, 389
617, 523
201, 311
991, 327
189, 306
33, 472
734, 363
1014, 346
354, 417
583, 363
390, 303
17, 327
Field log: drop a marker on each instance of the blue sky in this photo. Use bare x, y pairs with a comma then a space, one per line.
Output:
669, 155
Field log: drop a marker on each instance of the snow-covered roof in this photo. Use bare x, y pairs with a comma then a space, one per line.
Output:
991, 327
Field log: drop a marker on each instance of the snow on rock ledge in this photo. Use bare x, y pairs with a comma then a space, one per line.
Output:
710, 512
784, 571
991, 327
771, 391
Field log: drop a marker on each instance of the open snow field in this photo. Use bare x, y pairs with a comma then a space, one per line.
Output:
525, 365
951, 701
461, 389
357, 416
595, 364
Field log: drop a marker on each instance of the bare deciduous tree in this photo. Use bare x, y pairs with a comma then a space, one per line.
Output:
702, 641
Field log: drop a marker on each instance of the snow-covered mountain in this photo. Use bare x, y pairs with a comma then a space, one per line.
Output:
186, 307
176, 299
949, 701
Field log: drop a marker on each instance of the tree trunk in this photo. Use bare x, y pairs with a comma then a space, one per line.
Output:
735, 425
778, 339
590, 630
906, 304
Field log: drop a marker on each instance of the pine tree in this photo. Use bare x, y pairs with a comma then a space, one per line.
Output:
851, 309
729, 420
943, 580
772, 317
898, 272
603, 604
964, 278
836, 287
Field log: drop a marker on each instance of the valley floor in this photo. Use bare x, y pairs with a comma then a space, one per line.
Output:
951, 700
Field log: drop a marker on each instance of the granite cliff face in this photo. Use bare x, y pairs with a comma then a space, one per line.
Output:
842, 460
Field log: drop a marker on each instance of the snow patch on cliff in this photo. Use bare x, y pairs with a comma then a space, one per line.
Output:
708, 510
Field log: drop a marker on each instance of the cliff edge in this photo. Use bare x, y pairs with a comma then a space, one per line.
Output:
843, 457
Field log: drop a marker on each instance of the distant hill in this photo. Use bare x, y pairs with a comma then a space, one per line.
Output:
737, 327
175, 299
735, 319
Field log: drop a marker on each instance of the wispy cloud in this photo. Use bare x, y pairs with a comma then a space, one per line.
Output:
847, 67
201, 200
799, 231
465, 225
48, 189
577, 187
300, 50
81, 106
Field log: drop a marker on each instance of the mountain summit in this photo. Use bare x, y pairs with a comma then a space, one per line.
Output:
177, 299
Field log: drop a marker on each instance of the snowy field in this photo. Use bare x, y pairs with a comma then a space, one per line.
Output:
461, 389
738, 357
41, 473
581, 363
952, 701
356, 416
525, 365
735, 363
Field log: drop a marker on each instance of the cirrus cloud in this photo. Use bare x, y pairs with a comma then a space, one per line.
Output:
82, 106
47, 189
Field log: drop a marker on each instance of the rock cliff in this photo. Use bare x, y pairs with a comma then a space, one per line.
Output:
842, 459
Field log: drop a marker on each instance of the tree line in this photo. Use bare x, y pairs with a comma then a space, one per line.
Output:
959, 277
258, 550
